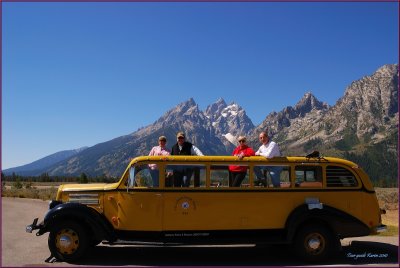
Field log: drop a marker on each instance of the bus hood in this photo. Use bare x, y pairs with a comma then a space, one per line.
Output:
87, 187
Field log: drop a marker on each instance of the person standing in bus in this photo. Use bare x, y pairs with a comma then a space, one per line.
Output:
238, 173
161, 149
268, 149
182, 176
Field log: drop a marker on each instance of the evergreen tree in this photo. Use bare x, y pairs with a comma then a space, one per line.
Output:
83, 178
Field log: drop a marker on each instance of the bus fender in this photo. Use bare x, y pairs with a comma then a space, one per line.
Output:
339, 222
98, 224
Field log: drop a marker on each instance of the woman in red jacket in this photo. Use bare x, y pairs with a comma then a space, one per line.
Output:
238, 173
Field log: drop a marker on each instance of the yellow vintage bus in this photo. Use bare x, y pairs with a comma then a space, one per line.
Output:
308, 202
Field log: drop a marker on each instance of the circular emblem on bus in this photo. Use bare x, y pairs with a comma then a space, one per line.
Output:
185, 205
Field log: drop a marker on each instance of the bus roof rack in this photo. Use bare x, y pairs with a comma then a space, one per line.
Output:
314, 154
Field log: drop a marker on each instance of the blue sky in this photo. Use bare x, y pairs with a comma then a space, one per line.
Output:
77, 74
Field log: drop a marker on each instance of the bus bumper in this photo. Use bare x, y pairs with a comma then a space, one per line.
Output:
381, 228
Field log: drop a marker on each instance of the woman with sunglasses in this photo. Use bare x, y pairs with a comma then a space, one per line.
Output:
238, 173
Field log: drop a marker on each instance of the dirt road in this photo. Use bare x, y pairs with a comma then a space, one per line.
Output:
23, 249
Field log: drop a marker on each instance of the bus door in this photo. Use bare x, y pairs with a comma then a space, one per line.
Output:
140, 206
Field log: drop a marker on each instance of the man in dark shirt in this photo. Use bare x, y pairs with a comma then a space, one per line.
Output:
183, 175
183, 147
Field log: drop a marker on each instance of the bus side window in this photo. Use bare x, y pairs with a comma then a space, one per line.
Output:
340, 177
285, 177
179, 175
143, 177
308, 176
271, 176
219, 176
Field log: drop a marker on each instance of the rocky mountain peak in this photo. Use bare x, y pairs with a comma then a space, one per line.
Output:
186, 105
185, 111
291, 119
307, 103
388, 70
221, 101
228, 121
370, 104
215, 109
232, 110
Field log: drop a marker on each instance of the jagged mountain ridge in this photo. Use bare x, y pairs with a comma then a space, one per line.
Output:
308, 106
367, 114
44, 162
112, 157
370, 109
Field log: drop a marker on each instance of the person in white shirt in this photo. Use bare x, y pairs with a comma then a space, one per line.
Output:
268, 149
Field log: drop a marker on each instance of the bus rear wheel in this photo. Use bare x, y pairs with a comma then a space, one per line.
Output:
315, 243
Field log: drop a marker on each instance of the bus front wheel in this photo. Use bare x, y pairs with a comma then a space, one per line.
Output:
68, 241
